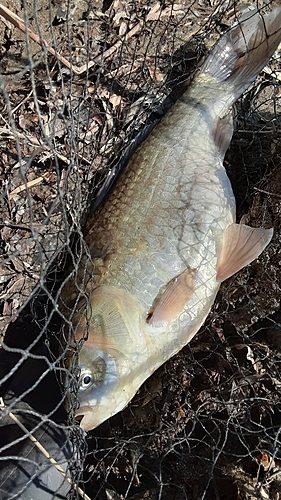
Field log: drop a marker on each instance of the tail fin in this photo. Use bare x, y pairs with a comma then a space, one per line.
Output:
244, 50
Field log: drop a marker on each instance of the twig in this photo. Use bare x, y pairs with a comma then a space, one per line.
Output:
27, 185
44, 451
116, 46
22, 227
23, 101
267, 192
255, 132
18, 23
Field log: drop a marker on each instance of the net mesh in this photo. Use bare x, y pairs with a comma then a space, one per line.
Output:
78, 81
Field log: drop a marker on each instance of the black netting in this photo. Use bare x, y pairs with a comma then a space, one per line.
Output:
80, 83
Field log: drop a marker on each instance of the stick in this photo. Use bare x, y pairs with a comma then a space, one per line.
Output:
27, 185
267, 192
18, 23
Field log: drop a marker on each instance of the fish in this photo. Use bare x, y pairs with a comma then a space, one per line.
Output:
165, 237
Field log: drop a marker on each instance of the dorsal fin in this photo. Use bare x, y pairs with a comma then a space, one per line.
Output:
223, 133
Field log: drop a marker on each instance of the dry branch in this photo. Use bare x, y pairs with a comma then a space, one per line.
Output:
19, 23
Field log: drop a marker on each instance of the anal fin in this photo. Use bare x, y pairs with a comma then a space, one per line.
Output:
242, 244
175, 297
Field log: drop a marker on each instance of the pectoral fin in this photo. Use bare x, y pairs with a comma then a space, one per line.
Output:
174, 298
242, 244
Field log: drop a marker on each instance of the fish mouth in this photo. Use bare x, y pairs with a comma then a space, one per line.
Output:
85, 417
83, 410
79, 418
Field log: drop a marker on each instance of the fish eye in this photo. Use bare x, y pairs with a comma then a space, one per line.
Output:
86, 379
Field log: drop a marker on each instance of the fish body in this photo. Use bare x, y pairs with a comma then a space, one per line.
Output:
166, 237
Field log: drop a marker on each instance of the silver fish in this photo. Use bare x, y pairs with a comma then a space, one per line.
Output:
166, 237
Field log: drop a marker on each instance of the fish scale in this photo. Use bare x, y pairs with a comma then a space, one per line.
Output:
166, 237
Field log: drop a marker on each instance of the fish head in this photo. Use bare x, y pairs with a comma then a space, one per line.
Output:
99, 380
111, 360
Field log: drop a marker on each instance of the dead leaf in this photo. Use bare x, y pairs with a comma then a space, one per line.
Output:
115, 100
265, 460
155, 73
156, 12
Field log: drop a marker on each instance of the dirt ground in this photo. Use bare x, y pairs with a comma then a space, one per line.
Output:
206, 424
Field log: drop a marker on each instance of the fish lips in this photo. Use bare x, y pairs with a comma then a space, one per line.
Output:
85, 416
